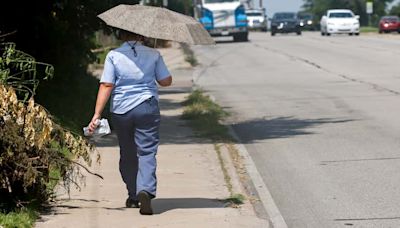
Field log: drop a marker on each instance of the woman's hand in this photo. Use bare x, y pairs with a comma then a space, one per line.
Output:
104, 93
92, 124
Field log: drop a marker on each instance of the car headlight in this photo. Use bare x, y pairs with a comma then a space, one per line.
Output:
356, 23
301, 23
309, 22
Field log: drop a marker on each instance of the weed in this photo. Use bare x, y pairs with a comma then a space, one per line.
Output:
234, 200
189, 55
205, 116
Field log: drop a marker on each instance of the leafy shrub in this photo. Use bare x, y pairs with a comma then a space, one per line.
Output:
32, 146
35, 152
19, 70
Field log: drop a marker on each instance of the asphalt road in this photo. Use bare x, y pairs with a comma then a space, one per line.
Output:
320, 116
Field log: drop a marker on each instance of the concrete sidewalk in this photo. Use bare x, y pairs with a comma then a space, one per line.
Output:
190, 179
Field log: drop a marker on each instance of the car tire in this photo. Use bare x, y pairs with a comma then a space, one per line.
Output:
357, 33
298, 33
380, 31
328, 34
272, 33
350, 34
241, 37
322, 33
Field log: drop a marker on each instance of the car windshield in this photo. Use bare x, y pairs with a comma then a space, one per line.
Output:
305, 17
219, 1
254, 14
391, 19
341, 15
281, 16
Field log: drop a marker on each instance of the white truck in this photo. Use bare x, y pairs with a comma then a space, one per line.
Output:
224, 18
257, 19
340, 21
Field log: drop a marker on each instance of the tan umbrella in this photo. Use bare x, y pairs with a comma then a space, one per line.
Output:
158, 23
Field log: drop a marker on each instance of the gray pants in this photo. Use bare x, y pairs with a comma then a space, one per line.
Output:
138, 136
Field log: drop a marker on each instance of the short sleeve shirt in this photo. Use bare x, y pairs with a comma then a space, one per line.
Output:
134, 76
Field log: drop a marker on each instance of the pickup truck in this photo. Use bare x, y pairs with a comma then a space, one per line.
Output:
340, 21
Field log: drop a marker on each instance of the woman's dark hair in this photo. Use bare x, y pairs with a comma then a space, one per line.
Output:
126, 35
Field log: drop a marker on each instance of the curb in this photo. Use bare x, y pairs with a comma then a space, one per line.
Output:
275, 217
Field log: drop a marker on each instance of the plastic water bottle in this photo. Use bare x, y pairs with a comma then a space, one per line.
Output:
102, 129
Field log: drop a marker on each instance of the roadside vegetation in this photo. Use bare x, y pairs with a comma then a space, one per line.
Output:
36, 153
22, 218
366, 29
189, 55
205, 118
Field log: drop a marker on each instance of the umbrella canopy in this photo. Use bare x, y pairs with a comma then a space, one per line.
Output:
156, 22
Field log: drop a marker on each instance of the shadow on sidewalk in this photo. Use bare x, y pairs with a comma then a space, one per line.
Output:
166, 204
160, 205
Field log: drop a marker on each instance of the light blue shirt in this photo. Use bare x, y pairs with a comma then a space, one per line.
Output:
134, 77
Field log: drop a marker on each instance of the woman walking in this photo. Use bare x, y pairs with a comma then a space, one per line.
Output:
130, 77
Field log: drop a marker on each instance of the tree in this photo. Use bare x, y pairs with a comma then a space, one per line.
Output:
395, 10
182, 6
59, 32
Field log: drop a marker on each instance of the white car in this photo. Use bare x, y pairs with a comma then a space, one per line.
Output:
340, 21
256, 19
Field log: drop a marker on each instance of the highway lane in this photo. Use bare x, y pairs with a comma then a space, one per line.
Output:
320, 118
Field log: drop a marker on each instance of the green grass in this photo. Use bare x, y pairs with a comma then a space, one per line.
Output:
234, 200
24, 218
102, 53
101, 56
227, 178
204, 116
189, 55
369, 29
54, 178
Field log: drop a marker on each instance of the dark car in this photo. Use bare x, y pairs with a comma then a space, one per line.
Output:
389, 24
285, 22
307, 21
